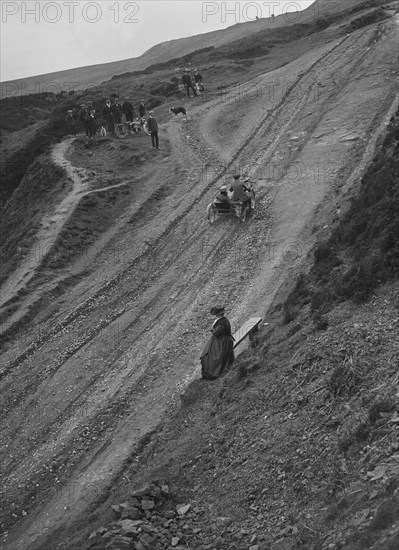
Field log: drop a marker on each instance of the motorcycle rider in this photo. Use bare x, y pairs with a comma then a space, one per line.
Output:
239, 192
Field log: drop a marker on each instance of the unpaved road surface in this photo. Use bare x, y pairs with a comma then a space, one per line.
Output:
84, 387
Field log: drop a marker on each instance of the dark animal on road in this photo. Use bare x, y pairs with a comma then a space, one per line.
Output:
178, 110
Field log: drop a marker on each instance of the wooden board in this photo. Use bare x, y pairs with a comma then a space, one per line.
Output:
247, 327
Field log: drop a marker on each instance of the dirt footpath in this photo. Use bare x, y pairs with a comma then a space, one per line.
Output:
126, 339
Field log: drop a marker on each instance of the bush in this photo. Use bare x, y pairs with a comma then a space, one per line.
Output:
298, 296
324, 253
345, 379
321, 301
380, 406
362, 278
366, 237
320, 322
152, 103
166, 89
373, 17
386, 514
359, 433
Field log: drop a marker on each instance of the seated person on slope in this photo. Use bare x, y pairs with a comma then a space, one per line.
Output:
222, 200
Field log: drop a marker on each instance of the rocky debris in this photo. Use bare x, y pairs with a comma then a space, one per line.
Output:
150, 521
182, 511
165, 525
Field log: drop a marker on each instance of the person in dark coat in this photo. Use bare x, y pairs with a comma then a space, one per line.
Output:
142, 109
152, 126
128, 110
188, 83
92, 124
116, 109
198, 81
218, 355
84, 118
109, 117
71, 124
239, 191
197, 77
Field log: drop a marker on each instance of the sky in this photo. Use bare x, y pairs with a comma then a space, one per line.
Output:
39, 37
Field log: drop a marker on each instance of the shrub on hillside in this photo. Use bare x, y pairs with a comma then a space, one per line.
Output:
152, 103
52, 132
368, 19
298, 297
166, 89
367, 237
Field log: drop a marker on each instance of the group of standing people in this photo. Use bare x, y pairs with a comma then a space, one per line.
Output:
114, 111
112, 114
87, 116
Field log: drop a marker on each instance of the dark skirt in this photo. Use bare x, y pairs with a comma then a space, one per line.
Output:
217, 356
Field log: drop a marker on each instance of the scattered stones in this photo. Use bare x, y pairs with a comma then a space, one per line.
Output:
117, 509
223, 522
131, 512
129, 527
147, 504
142, 491
182, 511
94, 538
148, 522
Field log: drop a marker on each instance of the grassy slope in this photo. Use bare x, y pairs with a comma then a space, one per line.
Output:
19, 114
363, 251
43, 185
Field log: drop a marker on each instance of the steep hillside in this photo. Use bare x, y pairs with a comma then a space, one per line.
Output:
362, 252
31, 123
29, 127
101, 331
178, 48
45, 184
296, 447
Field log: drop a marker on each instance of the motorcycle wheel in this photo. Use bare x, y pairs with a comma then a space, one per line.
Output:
120, 131
243, 215
211, 213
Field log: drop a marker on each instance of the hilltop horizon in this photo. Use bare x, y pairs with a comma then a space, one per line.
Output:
201, 25
199, 19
